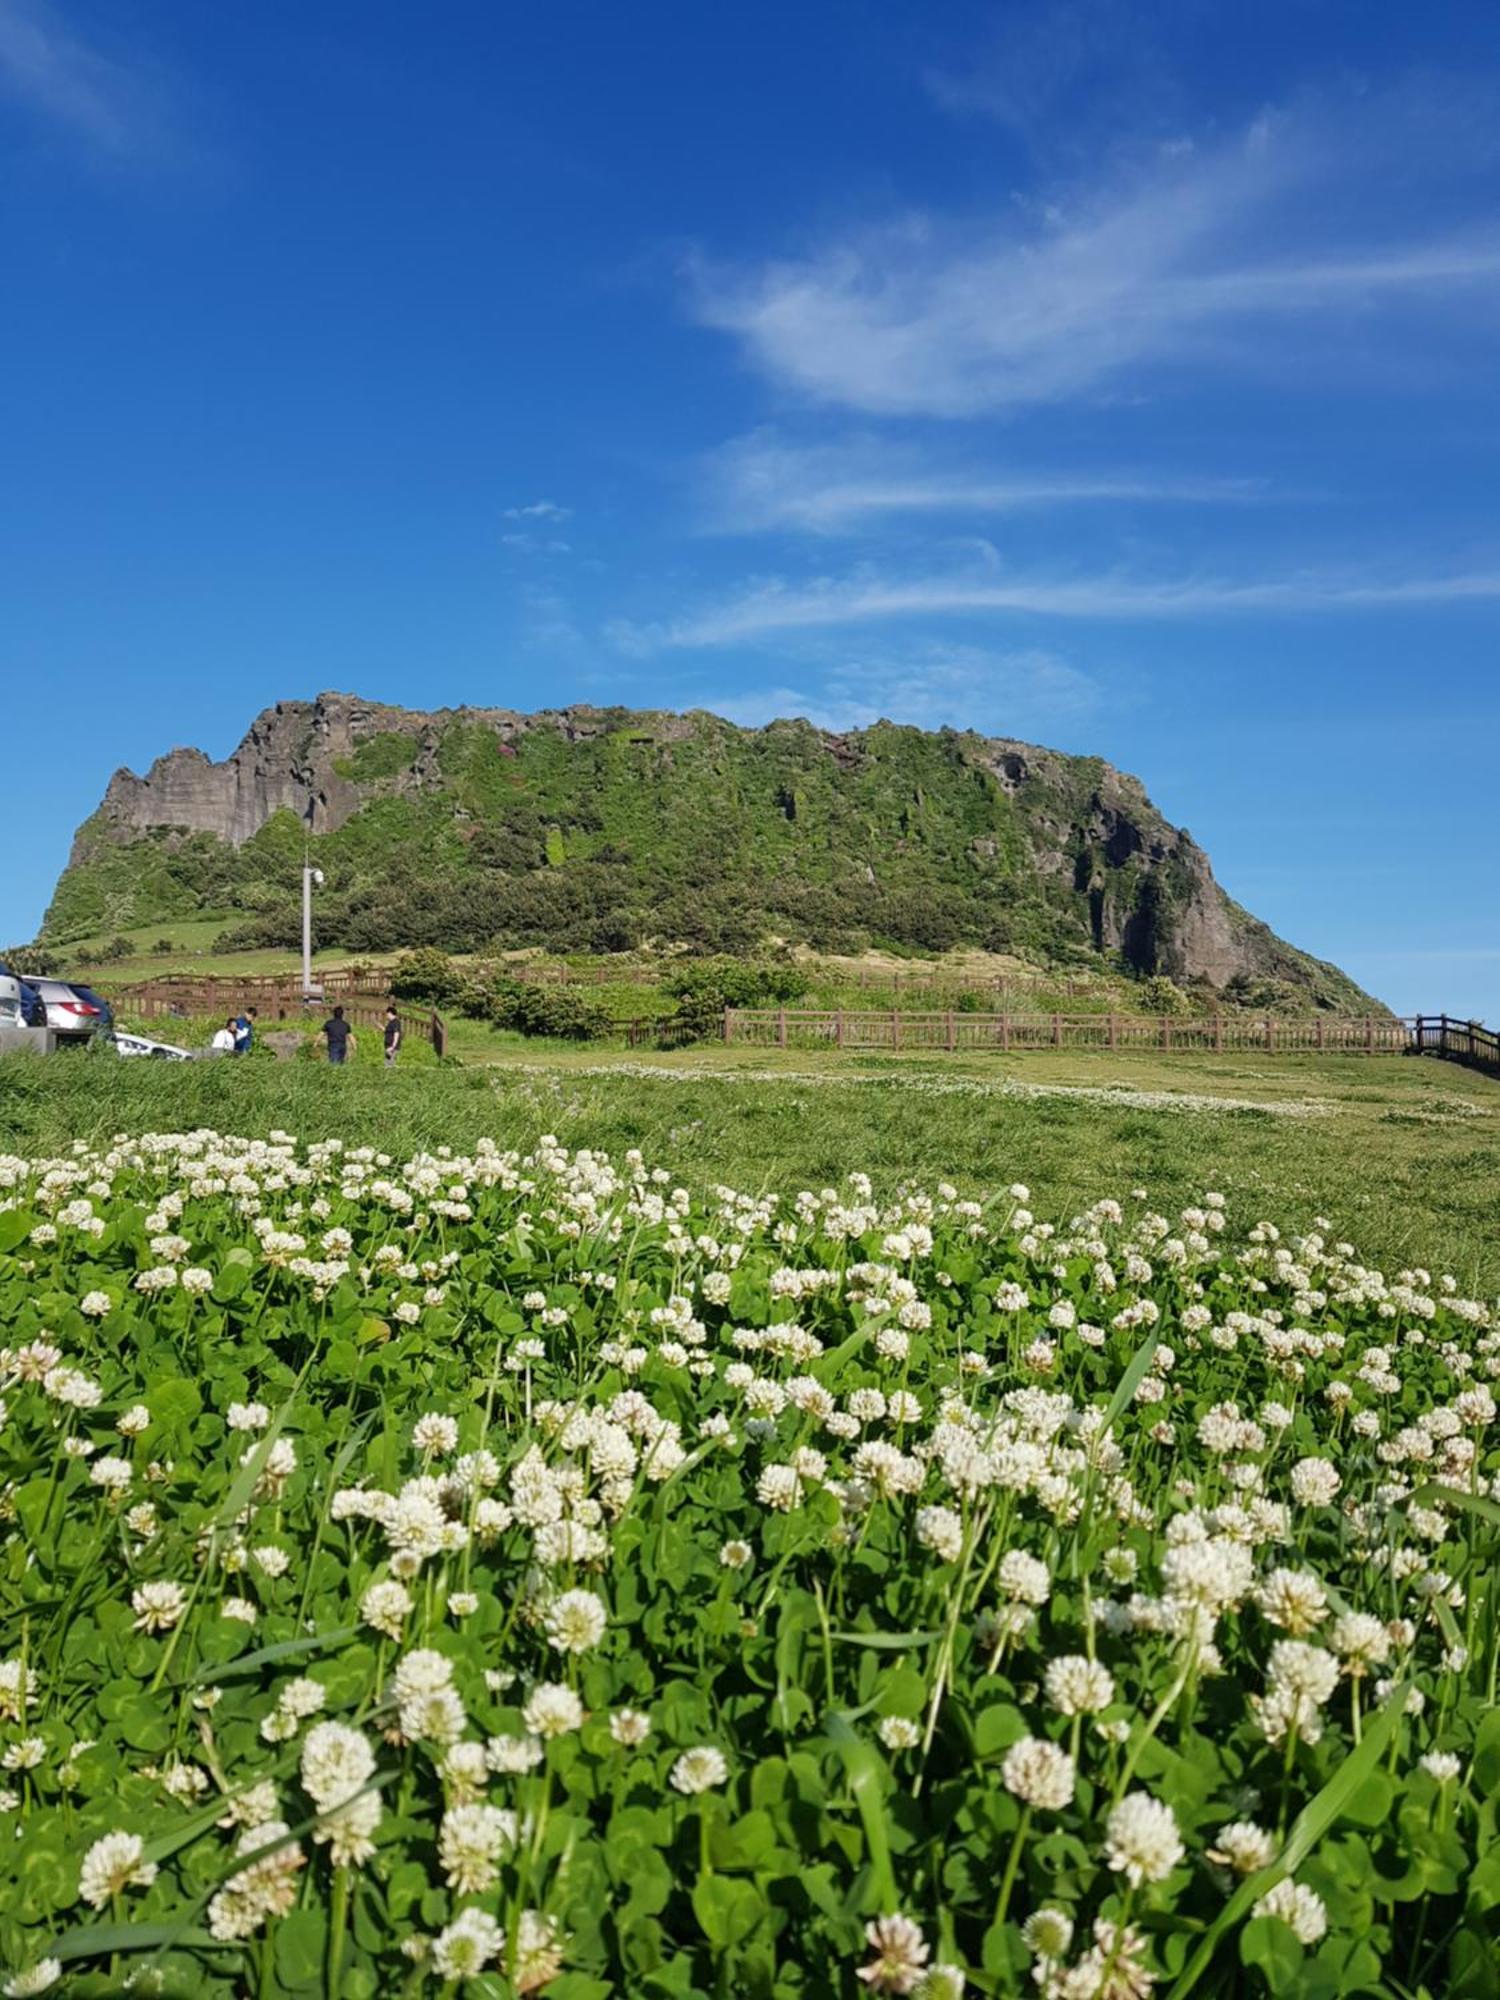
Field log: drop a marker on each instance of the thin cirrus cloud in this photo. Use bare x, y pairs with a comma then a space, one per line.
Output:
761, 483
869, 597
1081, 297
539, 510
113, 106
931, 687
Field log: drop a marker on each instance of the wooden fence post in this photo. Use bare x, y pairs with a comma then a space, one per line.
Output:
1166, 1032
1057, 1031
838, 1028
1320, 1034
1005, 1031
1218, 1034
1442, 1034
950, 1031
439, 1028
1370, 1033
1270, 1036
781, 1027
729, 1024
1112, 1030
895, 1027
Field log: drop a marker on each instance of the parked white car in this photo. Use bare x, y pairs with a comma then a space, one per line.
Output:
142, 1045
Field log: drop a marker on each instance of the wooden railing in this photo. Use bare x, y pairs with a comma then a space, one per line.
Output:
1466, 1042
952, 1029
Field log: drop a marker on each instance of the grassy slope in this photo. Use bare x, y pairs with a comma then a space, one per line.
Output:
1403, 1156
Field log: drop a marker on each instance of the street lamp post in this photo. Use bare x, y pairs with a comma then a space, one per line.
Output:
310, 875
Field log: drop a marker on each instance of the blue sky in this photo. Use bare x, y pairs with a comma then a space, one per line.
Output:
1116, 375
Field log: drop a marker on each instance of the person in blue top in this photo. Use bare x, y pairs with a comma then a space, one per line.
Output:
244, 1032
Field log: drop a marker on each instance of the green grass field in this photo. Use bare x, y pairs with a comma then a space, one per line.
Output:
1403, 1156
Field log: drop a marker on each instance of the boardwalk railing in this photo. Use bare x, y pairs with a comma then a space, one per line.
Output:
1466, 1042
1269, 1034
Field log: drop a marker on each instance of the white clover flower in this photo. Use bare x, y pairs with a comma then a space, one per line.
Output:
514, 1755
1048, 1933
113, 1865
39, 1978
942, 1531
1141, 1839
1038, 1773
469, 1944
1294, 1600
552, 1710
247, 1416
95, 1305
1298, 1906
1243, 1846
901, 1955
435, 1434
115, 1474
576, 1621
471, 1844
266, 1888
1441, 1765
158, 1606
539, 1951
699, 1770
1078, 1686
424, 1671
735, 1555
1024, 1578
629, 1727
899, 1732
1314, 1482
336, 1763
384, 1607
434, 1715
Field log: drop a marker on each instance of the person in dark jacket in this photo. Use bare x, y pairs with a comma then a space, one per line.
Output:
339, 1036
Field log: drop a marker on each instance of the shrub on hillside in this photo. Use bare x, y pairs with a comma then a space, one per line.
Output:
738, 982
559, 1011
426, 974
1164, 996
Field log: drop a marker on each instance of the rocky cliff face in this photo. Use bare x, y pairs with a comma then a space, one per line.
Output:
630, 808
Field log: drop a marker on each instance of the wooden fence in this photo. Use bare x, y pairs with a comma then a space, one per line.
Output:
1267, 1034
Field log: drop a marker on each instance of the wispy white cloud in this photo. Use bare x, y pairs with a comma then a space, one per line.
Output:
115, 106
536, 545
868, 596
1172, 262
539, 510
762, 482
931, 686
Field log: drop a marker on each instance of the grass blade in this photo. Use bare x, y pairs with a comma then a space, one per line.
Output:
866, 1772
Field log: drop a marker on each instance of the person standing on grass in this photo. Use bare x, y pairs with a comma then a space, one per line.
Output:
223, 1041
392, 1035
244, 1032
340, 1036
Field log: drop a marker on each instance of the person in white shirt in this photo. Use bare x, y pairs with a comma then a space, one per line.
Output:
223, 1041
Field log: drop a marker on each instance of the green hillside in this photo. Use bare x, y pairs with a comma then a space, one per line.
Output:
602, 830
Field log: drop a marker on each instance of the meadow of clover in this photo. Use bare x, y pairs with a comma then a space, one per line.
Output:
495, 1573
